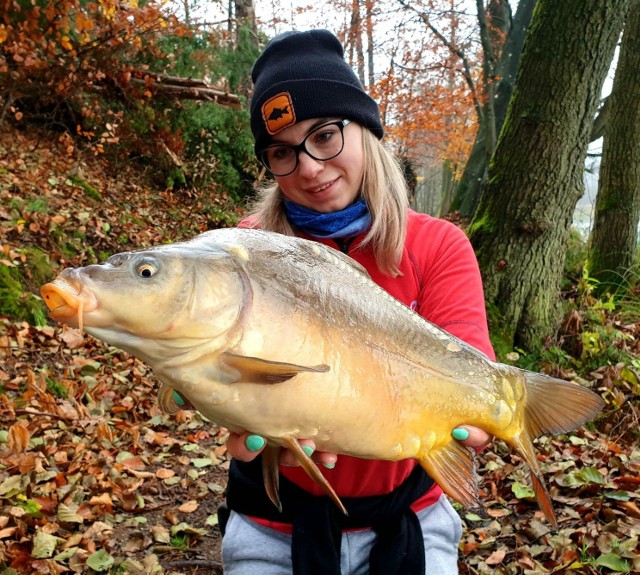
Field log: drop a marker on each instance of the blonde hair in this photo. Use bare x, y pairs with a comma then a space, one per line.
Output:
383, 188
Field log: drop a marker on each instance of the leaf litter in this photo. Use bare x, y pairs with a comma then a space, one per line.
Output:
95, 479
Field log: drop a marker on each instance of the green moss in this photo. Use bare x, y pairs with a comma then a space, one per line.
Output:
88, 188
481, 224
499, 332
39, 269
16, 301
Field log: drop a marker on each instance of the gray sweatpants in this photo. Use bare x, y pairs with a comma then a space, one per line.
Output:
251, 549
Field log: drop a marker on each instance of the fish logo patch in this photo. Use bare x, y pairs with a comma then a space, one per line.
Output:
278, 113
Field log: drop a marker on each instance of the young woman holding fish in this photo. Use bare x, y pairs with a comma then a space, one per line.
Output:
318, 133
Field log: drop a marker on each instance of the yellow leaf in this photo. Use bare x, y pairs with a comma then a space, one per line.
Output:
65, 41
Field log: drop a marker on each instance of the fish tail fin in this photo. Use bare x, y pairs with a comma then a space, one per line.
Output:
553, 406
452, 467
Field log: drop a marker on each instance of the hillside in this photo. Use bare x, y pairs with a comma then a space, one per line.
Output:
95, 479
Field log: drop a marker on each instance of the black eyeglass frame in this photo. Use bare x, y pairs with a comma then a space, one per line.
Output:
301, 147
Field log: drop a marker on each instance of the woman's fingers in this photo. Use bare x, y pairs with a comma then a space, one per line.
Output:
247, 446
473, 437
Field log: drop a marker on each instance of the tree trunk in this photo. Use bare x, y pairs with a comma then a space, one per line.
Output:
521, 227
615, 229
370, 43
245, 15
472, 181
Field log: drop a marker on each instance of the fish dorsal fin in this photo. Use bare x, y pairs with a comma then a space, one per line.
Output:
452, 467
312, 470
255, 370
336, 257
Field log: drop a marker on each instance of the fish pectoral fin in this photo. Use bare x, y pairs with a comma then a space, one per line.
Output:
256, 370
167, 400
453, 468
271, 474
312, 470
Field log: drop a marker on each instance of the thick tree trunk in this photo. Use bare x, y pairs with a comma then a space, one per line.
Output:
615, 229
521, 227
472, 181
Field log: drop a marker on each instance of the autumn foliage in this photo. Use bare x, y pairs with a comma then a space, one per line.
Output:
57, 58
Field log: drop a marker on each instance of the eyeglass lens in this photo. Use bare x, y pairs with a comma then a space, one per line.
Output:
323, 143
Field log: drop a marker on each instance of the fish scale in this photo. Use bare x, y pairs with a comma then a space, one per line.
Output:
290, 339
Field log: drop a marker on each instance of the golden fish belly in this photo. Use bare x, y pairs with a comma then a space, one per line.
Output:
370, 403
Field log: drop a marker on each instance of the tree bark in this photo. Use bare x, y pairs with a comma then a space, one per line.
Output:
521, 227
473, 178
613, 240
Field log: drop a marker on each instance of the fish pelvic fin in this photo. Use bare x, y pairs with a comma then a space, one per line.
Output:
271, 474
312, 470
453, 468
556, 406
255, 370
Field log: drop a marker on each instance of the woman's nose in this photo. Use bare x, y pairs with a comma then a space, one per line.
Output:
307, 166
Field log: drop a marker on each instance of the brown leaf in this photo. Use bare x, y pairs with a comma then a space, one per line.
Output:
18, 440
165, 473
496, 557
188, 507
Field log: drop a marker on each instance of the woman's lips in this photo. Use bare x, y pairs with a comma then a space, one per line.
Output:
322, 188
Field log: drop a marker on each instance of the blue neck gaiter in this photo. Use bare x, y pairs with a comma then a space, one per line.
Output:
349, 222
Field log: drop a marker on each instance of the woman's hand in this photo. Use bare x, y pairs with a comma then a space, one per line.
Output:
472, 437
247, 447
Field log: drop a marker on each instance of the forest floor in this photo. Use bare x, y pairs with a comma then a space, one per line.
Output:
95, 479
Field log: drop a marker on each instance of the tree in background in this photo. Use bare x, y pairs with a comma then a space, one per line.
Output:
502, 42
613, 241
520, 229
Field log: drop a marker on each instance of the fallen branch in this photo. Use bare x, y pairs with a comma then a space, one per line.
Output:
187, 89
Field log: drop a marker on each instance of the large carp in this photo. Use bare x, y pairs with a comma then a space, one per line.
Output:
290, 339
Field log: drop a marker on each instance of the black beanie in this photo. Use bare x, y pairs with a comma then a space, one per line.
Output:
303, 75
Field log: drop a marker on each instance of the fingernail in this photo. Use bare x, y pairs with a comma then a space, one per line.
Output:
460, 434
308, 450
329, 465
254, 442
178, 399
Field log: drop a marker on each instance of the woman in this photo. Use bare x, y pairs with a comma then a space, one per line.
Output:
318, 133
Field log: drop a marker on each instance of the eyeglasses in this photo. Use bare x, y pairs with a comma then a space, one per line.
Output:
322, 143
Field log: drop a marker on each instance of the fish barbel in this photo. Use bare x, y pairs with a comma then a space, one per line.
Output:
290, 339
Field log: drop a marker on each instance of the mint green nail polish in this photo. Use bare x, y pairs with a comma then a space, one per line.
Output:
329, 465
460, 434
178, 399
308, 450
254, 442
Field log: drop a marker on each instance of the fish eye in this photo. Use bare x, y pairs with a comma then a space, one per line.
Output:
146, 268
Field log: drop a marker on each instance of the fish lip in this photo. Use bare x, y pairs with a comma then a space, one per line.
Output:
65, 298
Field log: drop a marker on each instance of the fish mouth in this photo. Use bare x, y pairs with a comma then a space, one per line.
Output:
68, 301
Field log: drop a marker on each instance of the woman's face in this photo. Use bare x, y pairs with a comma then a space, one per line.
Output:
324, 186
